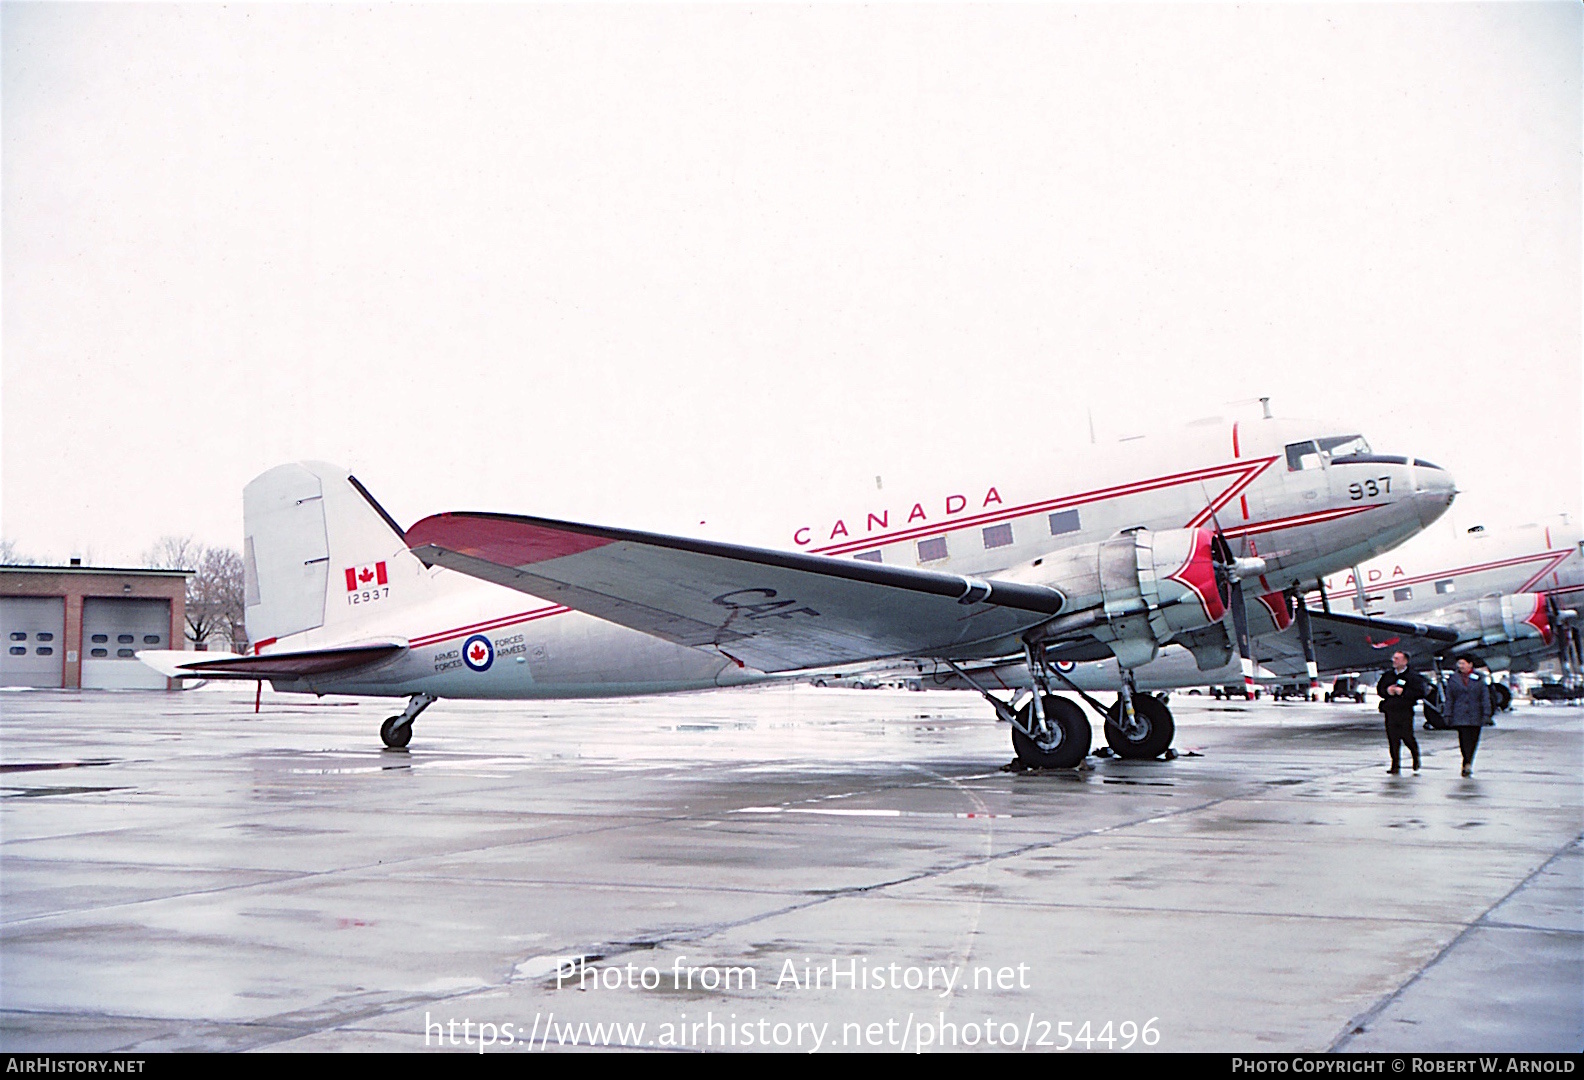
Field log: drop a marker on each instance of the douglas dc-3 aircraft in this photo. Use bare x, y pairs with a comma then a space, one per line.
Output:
1137, 553
1509, 597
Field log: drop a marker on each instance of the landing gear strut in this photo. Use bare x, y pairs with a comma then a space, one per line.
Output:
396, 731
1049, 732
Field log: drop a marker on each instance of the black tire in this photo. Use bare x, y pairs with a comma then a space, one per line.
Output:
1501, 697
1158, 729
1070, 735
393, 736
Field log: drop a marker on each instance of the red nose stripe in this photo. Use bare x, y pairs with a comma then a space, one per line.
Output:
1276, 604
1198, 574
1540, 620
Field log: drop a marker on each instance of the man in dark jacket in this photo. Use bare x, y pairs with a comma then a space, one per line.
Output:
1468, 708
1399, 690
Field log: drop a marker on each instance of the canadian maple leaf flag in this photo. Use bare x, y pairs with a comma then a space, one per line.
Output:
362, 577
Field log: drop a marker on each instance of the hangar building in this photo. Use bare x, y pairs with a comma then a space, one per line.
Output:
81, 626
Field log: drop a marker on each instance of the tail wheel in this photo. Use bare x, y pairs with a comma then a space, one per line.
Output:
1068, 741
396, 734
1153, 735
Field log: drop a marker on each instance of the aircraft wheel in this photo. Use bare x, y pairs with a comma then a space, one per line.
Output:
393, 736
1156, 729
1069, 739
1501, 697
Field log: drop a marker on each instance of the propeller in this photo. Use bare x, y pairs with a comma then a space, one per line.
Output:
1230, 572
1565, 627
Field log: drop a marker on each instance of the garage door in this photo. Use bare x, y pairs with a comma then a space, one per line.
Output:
114, 630
32, 628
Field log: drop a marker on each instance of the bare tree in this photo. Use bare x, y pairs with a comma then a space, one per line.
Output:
173, 553
215, 592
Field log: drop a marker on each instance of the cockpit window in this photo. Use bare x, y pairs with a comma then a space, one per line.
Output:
1344, 446
1302, 455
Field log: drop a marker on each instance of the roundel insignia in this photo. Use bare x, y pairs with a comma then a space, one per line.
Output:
478, 653
1065, 665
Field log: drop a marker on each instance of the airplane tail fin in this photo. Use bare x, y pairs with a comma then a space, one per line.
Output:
319, 551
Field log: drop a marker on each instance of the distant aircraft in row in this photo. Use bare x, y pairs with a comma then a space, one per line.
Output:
1508, 597
1007, 584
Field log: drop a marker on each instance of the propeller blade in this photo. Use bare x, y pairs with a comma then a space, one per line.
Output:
1240, 625
1305, 636
1230, 585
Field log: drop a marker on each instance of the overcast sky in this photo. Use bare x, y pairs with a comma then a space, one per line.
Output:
645, 265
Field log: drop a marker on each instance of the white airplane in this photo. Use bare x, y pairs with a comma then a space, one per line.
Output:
1136, 555
1508, 596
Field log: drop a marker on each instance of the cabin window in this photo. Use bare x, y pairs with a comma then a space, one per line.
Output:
998, 536
19, 650
44, 650
151, 639
19, 635
125, 639
1064, 522
124, 653
99, 652
100, 639
1446, 585
45, 635
1302, 455
932, 550
869, 556
1400, 595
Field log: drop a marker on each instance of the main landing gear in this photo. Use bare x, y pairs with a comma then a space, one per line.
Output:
396, 731
1052, 732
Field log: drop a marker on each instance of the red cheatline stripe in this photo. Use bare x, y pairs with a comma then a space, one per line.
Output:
1254, 528
1561, 557
492, 624
1065, 502
1208, 514
1556, 557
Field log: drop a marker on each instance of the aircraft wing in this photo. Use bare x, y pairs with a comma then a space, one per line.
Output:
773, 610
183, 665
1365, 642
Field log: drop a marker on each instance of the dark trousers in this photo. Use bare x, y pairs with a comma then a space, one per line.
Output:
1468, 742
1399, 730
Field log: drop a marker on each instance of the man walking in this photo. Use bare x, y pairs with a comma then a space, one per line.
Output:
1468, 709
1399, 690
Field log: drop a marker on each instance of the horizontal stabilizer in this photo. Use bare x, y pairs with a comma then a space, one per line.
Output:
286, 665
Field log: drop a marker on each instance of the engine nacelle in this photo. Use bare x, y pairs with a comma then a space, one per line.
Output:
1135, 591
1497, 620
1514, 617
